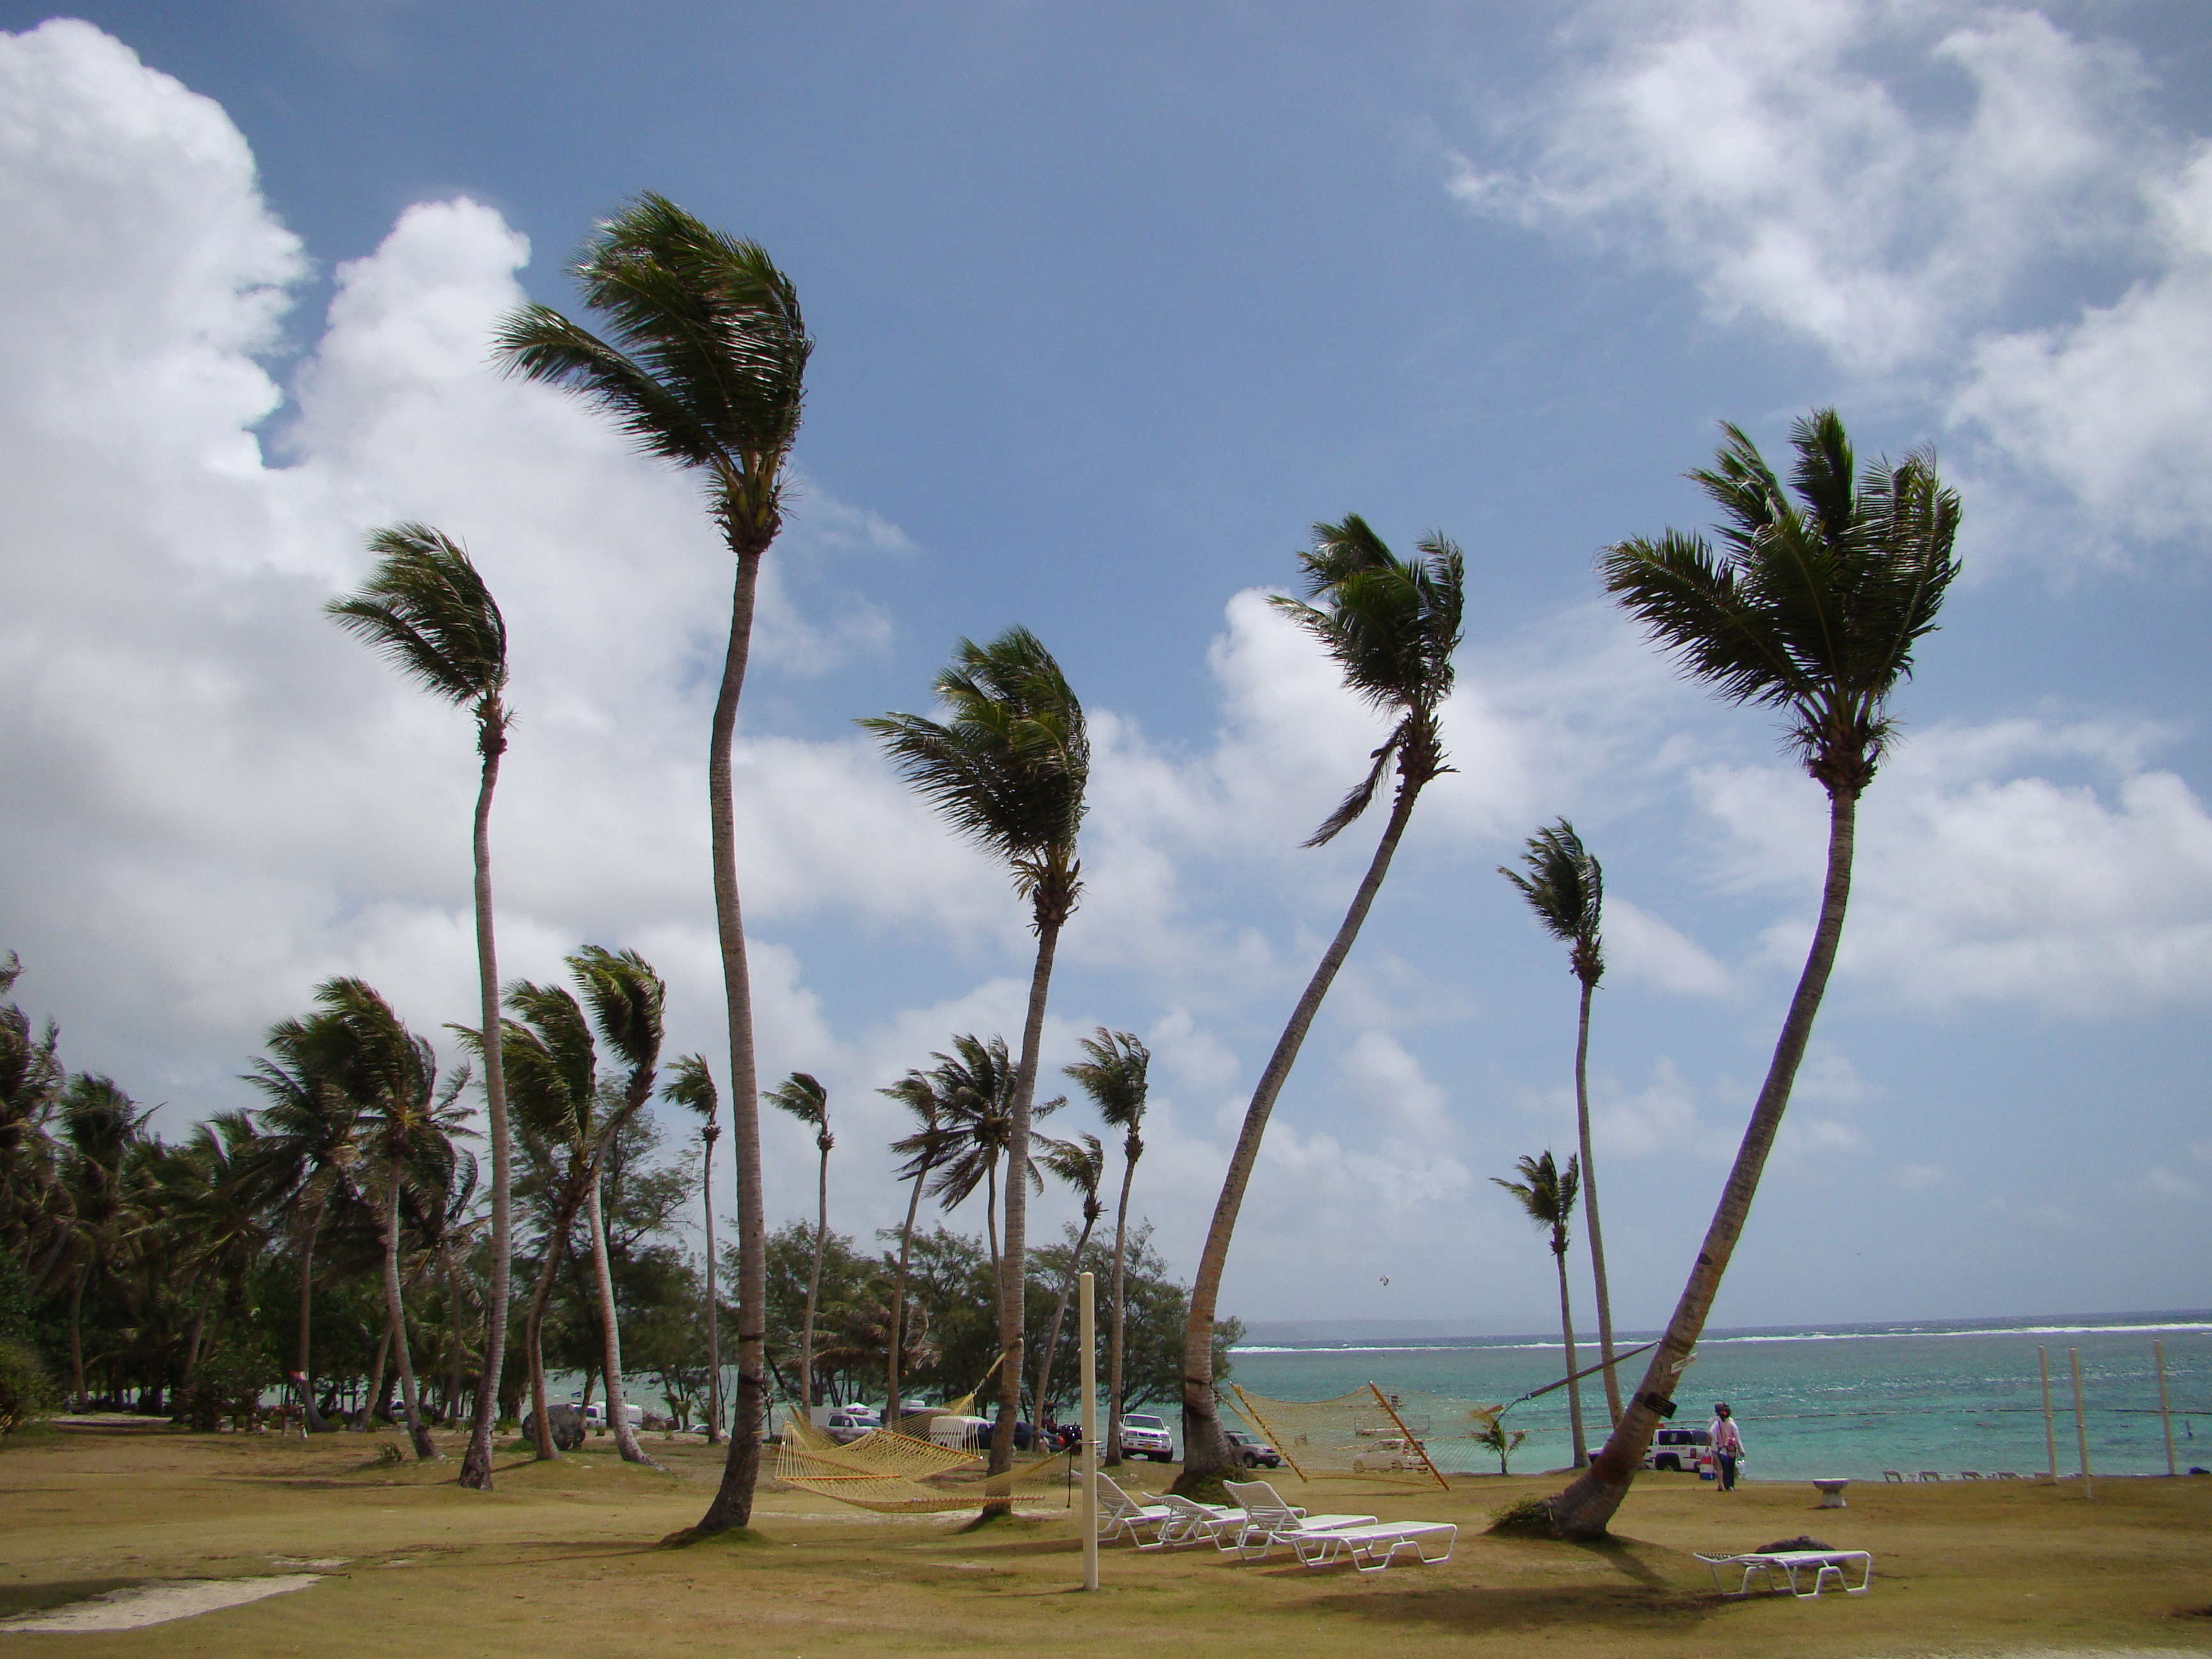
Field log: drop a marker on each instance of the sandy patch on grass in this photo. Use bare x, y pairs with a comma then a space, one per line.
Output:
156, 1604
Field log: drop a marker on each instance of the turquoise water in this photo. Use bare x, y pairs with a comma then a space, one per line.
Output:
1842, 1400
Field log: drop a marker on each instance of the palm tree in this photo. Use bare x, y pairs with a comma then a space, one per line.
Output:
975, 1092
1008, 770
1547, 1194
31, 1081
626, 999
100, 1125
1392, 625
706, 368
1081, 1164
805, 1099
392, 1076
303, 1158
426, 609
1114, 1076
1811, 607
1566, 887
691, 1086
920, 1094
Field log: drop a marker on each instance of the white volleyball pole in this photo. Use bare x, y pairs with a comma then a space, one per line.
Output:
2165, 1415
2050, 1428
1087, 1337
2081, 1422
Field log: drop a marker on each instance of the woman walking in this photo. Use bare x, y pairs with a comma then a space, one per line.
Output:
1727, 1446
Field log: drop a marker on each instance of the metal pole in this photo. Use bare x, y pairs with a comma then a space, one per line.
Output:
2081, 1422
2050, 1429
2165, 1415
1087, 1335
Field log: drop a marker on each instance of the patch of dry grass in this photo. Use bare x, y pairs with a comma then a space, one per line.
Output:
565, 1558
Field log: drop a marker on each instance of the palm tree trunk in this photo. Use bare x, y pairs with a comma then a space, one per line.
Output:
733, 1500
1205, 1449
813, 1296
395, 1310
453, 1322
714, 1326
603, 1274
312, 1417
1589, 1213
991, 1225
1567, 1335
1059, 1313
1111, 1451
373, 1396
1583, 1507
1014, 1259
892, 1404
476, 1462
556, 1247
76, 1338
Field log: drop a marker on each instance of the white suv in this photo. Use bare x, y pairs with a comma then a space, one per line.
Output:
1147, 1437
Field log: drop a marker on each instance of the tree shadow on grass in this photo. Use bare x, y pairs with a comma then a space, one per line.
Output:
18, 1599
1642, 1599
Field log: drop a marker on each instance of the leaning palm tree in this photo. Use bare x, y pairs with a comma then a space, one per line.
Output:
691, 1086
805, 1098
392, 1076
303, 1159
1008, 769
626, 999
705, 368
100, 1127
1566, 887
1547, 1194
1081, 1164
920, 1093
1114, 1076
1813, 607
426, 609
1392, 625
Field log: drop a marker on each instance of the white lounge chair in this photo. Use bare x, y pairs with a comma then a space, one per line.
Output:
1269, 1521
1827, 1567
1193, 1522
1119, 1513
1891, 1477
1372, 1548
1931, 1474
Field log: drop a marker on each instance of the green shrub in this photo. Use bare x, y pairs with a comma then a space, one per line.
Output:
228, 1382
25, 1389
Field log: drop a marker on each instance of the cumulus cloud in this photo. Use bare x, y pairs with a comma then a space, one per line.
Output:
1976, 880
1900, 185
1639, 946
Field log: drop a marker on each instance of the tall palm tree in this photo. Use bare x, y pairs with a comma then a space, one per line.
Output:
626, 999
691, 1086
1081, 1164
1007, 770
429, 612
100, 1126
975, 1092
392, 1076
1547, 1194
705, 368
1812, 606
303, 1158
1392, 625
805, 1098
31, 1081
1113, 1075
920, 1094
1566, 887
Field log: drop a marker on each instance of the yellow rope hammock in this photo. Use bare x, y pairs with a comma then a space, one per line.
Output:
908, 1473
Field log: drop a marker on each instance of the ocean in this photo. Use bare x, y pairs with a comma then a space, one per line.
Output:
1824, 1401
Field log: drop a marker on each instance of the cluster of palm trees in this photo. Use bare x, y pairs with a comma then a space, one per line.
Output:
1812, 605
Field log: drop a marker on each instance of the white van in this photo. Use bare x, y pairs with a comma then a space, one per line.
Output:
595, 1414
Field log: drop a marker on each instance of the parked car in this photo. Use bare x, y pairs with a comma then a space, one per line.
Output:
952, 1428
1147, 1437
1386, 1453
849, 1424
1684, 1450
595, 1414
1252, 1451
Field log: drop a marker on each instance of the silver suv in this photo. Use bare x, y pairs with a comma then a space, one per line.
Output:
1147, 1437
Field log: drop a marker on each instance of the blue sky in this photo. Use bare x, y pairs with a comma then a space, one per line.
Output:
1112, 303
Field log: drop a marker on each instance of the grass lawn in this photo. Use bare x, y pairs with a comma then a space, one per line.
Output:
562, 1559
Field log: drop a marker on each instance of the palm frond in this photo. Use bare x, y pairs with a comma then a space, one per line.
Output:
691, 1086
426, 609
1114, 1076
1565, 889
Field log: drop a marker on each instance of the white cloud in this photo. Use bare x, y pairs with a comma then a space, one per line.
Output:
1976, 882
1919, 1177
1780, 155
1640, 946
1935, 194
2165, 1183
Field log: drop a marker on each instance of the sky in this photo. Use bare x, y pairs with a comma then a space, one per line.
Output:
1111, 305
